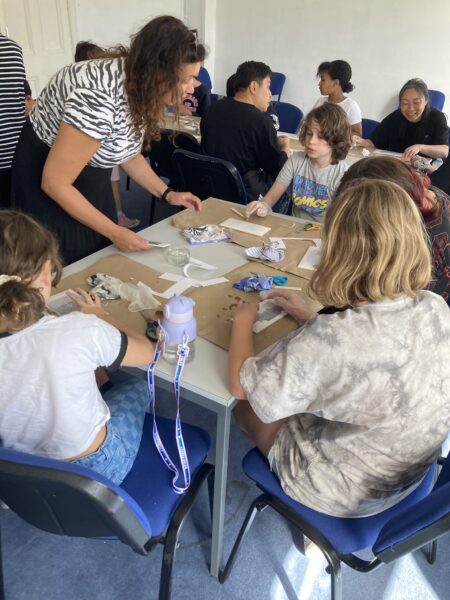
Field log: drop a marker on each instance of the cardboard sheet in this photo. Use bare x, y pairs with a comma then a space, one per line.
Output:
127, 270
214, 308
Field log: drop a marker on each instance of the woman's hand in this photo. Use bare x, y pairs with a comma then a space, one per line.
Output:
357, 140
128, 241
411, 152
260, 208
292, 304
88, 302
245, 312
184, 199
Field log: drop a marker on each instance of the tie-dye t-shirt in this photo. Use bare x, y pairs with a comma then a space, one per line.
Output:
366, 395
313, 188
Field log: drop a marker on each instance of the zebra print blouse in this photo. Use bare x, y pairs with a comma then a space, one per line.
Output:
90, 96
12, 99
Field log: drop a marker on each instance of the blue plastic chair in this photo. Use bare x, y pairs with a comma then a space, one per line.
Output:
209, 177
277, 82
416, 521
368, 125
289, 116
437, 99
71, 500
204, 77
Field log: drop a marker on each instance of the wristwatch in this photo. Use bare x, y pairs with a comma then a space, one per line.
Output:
166, 193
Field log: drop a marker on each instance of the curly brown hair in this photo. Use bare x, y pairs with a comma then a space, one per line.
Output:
25, 246
334, 126
152, 70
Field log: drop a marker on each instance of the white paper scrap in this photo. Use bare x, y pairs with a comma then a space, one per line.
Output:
215, 281
311, 258
61, 304
201, 264
245, 226
280, 244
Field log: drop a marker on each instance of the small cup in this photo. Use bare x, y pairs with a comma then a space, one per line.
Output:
178, 256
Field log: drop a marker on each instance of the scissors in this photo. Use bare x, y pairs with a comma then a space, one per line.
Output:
279, 280
311, 227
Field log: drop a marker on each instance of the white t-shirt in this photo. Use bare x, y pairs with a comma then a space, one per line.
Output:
366, 396
348, 105
49, 400
90, 96
313, 188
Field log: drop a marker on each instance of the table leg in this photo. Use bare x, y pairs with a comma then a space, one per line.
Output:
220, 487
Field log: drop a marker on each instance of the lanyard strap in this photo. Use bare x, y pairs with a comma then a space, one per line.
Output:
183, 352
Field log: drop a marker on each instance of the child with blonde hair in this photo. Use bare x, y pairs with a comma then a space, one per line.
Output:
314, 176
49, 400
352, 408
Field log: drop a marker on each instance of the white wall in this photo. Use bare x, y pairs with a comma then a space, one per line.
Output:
386, 42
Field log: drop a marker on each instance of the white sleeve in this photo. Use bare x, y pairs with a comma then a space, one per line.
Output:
354, 112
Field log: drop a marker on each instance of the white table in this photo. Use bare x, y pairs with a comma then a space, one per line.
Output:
204, 379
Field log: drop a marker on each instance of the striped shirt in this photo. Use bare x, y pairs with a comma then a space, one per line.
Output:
12, 99
90, 96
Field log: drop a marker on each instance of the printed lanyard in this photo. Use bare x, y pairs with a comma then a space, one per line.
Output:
183, 352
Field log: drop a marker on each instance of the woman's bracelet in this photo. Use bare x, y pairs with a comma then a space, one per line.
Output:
166, 193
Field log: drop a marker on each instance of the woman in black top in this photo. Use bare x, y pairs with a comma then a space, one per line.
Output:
414, 128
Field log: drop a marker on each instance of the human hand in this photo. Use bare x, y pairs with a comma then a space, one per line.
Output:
128, 241
245, 312
184, 199
357, 140
284, 143
410, 152
88, 302
291, 303
262, 209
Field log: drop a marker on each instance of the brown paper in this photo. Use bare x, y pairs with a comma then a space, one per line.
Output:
216, 211
214, 306
128, 271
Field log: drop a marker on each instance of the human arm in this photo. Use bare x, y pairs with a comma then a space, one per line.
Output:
284, 144
140, 171
356, 129
71, 151
140, 350
291, 303
433, 151
241, 345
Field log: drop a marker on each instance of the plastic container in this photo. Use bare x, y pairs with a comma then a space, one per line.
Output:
178, 325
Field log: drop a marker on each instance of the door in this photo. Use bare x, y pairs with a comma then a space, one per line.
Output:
42, 29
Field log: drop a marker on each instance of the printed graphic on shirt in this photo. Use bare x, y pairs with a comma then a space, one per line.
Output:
191, 103
309, 196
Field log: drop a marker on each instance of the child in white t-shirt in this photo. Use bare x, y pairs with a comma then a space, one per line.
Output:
334, 82
50, 404
315, 175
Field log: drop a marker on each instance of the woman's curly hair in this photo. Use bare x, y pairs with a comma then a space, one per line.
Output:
152, 70
25, 246
334, 127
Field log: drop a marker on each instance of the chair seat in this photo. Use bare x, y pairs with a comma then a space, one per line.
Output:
346, 535
159, 502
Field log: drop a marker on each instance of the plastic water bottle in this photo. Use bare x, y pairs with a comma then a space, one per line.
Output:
178, 326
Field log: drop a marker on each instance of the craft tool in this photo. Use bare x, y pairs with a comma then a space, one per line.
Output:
238, 213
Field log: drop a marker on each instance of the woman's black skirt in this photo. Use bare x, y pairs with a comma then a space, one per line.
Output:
75, 239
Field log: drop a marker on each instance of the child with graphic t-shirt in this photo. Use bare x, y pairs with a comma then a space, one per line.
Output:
315, 175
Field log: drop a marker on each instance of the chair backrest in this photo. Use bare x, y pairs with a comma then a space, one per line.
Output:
437, 99
68, 499
277, 82
161, 152
419, 523
368, 125
207, 176
289, 116
215, 97
204, 77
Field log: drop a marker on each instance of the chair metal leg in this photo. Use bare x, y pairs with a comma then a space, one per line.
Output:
2, 587
336, 584
431, 553
255, 507
170, 548
210, 495
152, 210
127, 186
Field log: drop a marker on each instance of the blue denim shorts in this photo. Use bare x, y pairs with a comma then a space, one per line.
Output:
128, 403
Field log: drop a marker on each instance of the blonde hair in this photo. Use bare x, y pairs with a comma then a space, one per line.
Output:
25, 246
375, 246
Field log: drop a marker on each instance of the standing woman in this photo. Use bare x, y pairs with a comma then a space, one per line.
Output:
92, 116
414, 128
